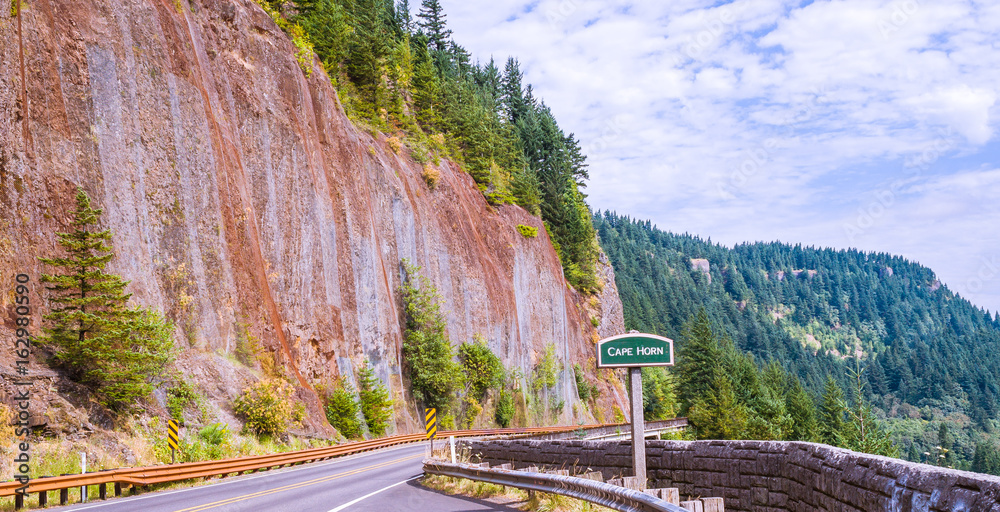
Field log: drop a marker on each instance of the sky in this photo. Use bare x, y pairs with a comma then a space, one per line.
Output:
851, 123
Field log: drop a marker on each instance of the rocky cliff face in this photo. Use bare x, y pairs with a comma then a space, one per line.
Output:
247, 207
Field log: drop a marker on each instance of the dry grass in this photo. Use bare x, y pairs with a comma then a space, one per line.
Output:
431, 176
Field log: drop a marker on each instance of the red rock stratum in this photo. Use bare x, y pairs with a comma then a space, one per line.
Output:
245, 204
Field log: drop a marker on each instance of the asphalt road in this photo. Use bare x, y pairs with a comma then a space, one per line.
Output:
384, 481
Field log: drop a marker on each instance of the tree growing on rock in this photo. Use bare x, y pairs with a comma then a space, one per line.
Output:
434, 375
117, 350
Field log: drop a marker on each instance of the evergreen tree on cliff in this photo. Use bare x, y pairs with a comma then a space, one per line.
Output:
118, 351
432, 18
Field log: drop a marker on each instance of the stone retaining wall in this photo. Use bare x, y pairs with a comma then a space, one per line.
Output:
765, 475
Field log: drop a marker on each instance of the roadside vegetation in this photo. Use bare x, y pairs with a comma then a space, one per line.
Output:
469, 386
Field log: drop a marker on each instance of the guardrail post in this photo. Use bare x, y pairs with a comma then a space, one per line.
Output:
43, 498
63, 496
118, 489
451, 440
102, 491
18, 501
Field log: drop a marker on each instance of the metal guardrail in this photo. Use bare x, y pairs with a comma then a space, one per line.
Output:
143, 476
611, 496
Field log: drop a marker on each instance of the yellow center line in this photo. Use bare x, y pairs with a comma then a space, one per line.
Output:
290, 487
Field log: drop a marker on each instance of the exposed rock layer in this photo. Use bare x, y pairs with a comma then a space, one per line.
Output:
247, 207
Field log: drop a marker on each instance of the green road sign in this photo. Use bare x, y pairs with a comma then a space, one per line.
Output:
635, 349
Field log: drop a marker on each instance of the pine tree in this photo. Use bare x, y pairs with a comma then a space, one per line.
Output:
803, 412
698, 358
404, 15
366, 64
433, 22
376, 404
946, 454
986, 459
94, 335
720, 414
831, 414
864, 432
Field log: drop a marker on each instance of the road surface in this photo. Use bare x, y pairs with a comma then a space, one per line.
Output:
384, 481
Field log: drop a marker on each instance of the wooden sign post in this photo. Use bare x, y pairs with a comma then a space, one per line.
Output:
633, 351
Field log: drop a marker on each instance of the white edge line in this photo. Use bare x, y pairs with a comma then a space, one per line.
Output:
369, 495
154, 494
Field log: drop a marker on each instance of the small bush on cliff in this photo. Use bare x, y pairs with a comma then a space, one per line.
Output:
267, 407
584, 388
547, 369
376, 405
431, 176
504, 409
342, 411
116, 350
434, 376
527, 231
483, 369
180, 396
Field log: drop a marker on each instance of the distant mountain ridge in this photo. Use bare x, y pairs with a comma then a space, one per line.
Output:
925, 348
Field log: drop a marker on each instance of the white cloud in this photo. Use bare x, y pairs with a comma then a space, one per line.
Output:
765, 119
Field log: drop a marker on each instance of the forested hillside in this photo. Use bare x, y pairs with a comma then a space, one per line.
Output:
406, 76
930, 359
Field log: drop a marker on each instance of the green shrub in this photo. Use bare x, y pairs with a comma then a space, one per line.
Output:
504, 409
547, 369
472, 411
342, 411
582, 386
434, 376
376, 406
594, 321
179, 397
483, 369
527, 231
214, 434
267, 407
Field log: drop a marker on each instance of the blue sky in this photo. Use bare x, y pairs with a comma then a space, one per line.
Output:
850, 123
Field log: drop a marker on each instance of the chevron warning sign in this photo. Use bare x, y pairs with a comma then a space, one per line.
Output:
172, 434
430, 419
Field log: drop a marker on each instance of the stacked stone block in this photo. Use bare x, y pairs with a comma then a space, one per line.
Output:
765, 476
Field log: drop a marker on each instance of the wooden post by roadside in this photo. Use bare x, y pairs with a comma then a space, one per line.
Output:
638, 426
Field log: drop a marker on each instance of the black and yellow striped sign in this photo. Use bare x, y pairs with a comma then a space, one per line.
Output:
430, 419
172, 434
